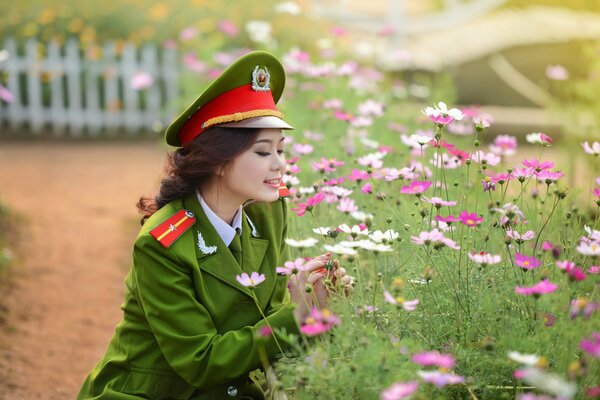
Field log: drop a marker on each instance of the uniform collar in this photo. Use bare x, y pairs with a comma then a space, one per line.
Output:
225, 231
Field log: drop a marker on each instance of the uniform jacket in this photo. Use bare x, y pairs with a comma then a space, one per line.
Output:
189, 329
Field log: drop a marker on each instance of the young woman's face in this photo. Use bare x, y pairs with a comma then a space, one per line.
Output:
256, 173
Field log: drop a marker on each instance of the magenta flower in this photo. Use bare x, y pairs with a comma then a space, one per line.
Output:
325, 165
319, 322
537, 166
265, 331
291, 267
549, 176
470, 219
523, 173
592, 345
538, 138
310, 203
399, 390
433, 358
488, 184
527, 262
596, 192
441, 115
250, 281
575, 273
343, 116
358, 175
582, 307
438, 202
538, 289
415, 187
435, 238
6, 95
440, 379
449, 219
367, 188
504, 145
228, 28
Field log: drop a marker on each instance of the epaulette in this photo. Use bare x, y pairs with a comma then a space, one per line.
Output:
175, 226
283, 190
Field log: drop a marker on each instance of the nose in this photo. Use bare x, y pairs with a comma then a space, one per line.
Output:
278, 163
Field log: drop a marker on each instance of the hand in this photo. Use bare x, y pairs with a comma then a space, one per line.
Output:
310, 277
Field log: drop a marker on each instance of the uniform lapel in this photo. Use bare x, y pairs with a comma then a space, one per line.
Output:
217, 261
253, 255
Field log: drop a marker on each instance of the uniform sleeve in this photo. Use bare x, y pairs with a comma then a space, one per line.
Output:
184, 329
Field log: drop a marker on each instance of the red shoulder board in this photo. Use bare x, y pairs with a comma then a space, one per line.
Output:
170, 230
283, 190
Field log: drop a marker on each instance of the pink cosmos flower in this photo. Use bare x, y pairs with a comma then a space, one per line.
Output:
441, 115
193, 63
582, 307
372, 160
589, 248
343, 116
371, 108
543, 287
526, 262
557, 72
523, 173
440, 379
592, 345
291, 267
358, 175
438, 202
538, 138
301, 148
367, 188
6, 95
520, 238
228, 28
319, 322
481, 157
594, 149
484, 258
549, 176
407, 305
338, 31
537, 166
347, 205
333, 104
310, 203
447, 161
504, 145
596, 192
594, 269
250, 281
399, 390
433, 358
470, 219
415, 187
327, 165
448, 220
141, 80
501, 178
435, 238
188, 33
575, 273
488, 184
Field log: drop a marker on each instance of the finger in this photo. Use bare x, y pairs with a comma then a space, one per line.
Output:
316, 263
314, 277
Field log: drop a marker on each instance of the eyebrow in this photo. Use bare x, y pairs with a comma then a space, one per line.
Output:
269, 140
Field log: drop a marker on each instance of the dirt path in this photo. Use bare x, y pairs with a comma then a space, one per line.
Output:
77, 203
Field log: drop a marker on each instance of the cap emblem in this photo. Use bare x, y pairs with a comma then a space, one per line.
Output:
261, 79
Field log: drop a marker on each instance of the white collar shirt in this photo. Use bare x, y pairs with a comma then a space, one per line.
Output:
225, 231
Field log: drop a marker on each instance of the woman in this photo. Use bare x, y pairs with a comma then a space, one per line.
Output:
190, 329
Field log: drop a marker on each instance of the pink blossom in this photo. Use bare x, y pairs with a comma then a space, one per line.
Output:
526, 262
6, 95
250, 281
367, 188
326, 165
582, 307
470, 219
228, 28
538, 138
347, 205
300, 148
438, 202
481, 157
596, 192
372, 160
543, 287
520, 238
399, 390
141, 80
358, 175
549, 176
338, 31
594, 269
537, 166
594, 149
436, 238
343, 116
449, 219
415, 187
523, 173
333, 104
319, 322
592, 345
501, 178
188, 33
488, 184
575, 273
433, 358
310, 203
191, 62
504, 145
371, 108
440, 379
484, 258
291, 267
447, 161
557, 72
407, 305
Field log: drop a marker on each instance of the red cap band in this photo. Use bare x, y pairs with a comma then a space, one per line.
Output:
234, 105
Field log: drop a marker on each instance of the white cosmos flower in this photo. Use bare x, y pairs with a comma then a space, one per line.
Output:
525, 359
356, 229
594, 149
288, 7
453, 112
259, 31
310, 242
548, 382
291, 179
361, 216
338, 249
322, 230
372, 144
379, 236
589, 249
306, 190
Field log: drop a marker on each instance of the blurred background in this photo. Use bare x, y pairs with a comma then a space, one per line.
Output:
89, 68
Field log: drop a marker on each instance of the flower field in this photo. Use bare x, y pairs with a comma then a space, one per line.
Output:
473, 262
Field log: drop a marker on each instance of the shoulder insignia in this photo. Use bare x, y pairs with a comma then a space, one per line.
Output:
170, 230
283, 190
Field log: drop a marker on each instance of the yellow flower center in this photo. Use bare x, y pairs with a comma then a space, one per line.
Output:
526, 263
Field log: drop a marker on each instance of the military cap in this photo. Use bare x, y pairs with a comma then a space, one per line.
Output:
243, 96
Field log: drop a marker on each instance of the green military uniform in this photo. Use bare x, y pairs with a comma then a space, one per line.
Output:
189, 329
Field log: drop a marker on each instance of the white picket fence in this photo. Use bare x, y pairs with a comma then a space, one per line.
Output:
59, 90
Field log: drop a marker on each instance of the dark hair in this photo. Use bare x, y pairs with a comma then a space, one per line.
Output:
197, 162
